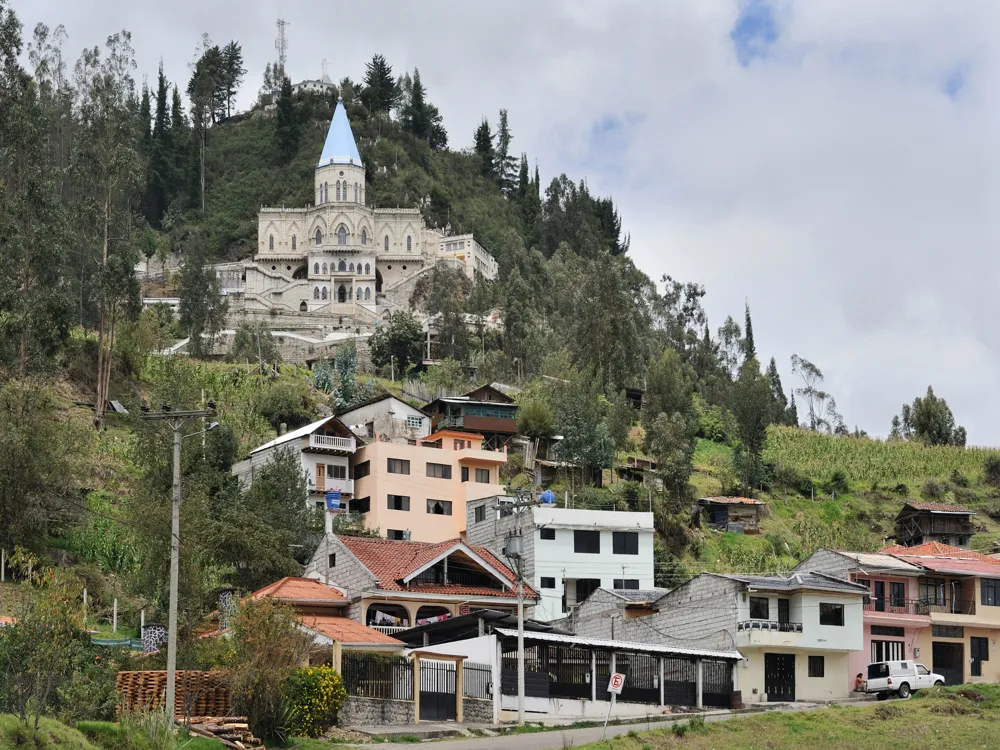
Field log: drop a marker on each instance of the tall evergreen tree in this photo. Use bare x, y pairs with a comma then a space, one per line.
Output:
145, 118
160, 157
203, 309
749, 348
778, 399
232, 72
523, 180
287, 126
485, 151
751, 405
505, 161
416, 119
183, 169
381, 92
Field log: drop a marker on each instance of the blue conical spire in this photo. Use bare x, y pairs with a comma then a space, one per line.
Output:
340, 147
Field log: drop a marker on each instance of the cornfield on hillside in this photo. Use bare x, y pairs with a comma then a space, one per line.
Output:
869, 461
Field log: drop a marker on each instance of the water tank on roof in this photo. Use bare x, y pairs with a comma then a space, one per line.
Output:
333, 500
548, 497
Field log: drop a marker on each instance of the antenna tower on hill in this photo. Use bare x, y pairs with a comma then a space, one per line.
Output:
281, 45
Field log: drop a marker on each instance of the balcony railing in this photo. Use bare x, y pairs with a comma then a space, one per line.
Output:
950, 607
331, 442
389, 629
770, 625
897, 607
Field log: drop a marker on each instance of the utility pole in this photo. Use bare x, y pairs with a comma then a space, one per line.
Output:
176, 420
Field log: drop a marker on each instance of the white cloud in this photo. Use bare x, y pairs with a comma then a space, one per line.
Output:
833, 182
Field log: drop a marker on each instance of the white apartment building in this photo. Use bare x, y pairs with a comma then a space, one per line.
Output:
568, 553
324, 449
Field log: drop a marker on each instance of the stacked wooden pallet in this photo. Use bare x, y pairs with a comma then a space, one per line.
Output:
231, 731
197, 693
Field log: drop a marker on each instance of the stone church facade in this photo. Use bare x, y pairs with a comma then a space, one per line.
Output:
339, 259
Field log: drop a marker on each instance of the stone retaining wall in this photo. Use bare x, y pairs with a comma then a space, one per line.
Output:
368, 712
477, 711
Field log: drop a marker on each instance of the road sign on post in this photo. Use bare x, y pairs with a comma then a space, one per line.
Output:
615, 685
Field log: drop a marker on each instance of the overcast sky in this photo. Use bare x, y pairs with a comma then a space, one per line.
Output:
834, 162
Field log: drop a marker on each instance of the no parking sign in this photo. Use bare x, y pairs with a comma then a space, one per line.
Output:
616, 683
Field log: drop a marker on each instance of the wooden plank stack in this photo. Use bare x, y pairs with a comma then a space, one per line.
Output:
231, 731
197, 693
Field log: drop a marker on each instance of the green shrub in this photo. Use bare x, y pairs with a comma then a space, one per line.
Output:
991, 470
932, 490
316, 694
959, 479
837, 484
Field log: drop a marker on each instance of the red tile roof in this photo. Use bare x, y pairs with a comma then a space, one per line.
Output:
301, 590
391, 561
7, 620
936, 549
946, 507
733, 500
346, 630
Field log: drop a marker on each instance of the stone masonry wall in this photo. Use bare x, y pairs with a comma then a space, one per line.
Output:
375, 712
477, 711
348, 573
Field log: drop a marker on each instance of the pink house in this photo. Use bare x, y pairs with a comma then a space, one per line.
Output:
893, 617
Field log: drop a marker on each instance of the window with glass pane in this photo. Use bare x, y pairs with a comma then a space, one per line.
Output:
483, 476
439, 471
480, 514
990, 592
627, 583
897, 594
548, 534
398, 502
625, 543
439, 507
831, 614
362, 470
932, 591
587, 542
397, 466
759, 608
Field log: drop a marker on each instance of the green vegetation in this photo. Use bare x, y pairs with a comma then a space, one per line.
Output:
939, 718
51, 734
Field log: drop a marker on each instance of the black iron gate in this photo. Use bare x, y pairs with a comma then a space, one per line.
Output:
437, 691
717, 683
948, 660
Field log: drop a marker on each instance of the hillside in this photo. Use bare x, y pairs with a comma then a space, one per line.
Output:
839, 491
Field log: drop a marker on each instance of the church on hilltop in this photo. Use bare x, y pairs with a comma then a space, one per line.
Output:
339, 259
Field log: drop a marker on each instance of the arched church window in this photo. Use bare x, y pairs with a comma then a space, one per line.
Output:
342, 266
316, 292
324, 292
359, 292
355, 192
270, 242
351, 268
364, 237
338, 190
342, 294
368, 293
342, 235
387, 243
316, 268
326, 192
293, 242
409, 244
324, 268
368, 269
319, 237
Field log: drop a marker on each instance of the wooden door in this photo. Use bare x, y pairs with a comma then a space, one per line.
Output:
320, 477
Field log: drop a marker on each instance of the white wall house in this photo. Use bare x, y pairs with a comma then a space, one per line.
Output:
569, 553
387, 418
324, 449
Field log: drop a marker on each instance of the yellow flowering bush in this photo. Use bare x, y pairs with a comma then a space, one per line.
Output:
316, 694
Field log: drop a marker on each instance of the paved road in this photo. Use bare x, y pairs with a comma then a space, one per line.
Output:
558, 739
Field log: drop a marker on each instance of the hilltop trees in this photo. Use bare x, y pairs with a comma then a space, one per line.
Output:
420, 118
381, 92
821, 407
929, 420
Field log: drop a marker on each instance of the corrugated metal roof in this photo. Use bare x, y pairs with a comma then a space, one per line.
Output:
731, 501
874, 560
959, 566
309, 429
574, 518
798, 581
653, 648
639, 595
940, 508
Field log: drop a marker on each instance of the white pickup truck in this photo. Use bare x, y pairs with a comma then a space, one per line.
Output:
900, 678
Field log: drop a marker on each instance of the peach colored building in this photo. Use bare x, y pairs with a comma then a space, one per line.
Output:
423, 488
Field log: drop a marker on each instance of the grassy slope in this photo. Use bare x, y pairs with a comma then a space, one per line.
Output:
933, 719
795, 525
51, 734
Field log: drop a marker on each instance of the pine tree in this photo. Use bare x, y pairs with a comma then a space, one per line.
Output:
160, 157
484, 149
145, 119
381, 92
505, 161
523, 180
287, 128
232, 73
749, 348
184, 170
416, 121
778, 399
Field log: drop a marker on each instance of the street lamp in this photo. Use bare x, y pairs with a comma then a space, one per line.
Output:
176, 420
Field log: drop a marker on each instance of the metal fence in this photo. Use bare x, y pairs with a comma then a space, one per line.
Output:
372, 675
478, 680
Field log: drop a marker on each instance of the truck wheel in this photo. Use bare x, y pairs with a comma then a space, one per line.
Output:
881, 696
904, 691
938, 683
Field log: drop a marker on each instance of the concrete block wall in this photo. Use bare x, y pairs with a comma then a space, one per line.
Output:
348, 574
828, 562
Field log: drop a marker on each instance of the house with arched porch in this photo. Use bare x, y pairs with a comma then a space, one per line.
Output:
393, 585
